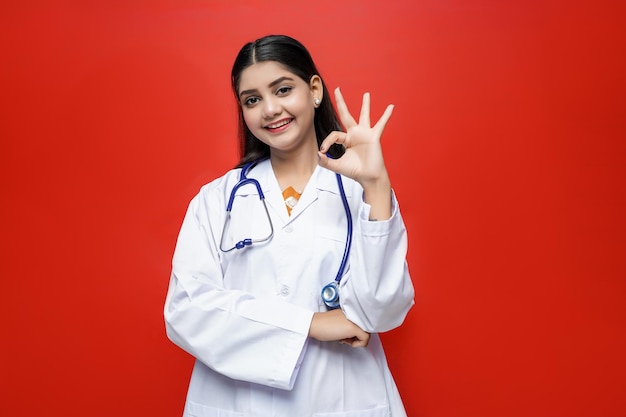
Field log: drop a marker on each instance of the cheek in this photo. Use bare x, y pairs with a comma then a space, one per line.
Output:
305, 101
300, 105
248, 118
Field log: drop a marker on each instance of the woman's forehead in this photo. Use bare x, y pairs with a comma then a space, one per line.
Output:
262, 74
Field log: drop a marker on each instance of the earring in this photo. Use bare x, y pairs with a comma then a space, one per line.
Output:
317, 101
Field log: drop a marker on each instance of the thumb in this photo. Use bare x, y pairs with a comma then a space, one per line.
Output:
326, 162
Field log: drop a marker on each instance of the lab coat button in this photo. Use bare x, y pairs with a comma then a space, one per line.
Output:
284, 290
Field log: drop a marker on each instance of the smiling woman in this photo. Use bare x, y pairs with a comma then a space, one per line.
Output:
279, 107
266, 338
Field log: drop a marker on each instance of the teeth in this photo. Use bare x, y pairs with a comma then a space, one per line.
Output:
277, 125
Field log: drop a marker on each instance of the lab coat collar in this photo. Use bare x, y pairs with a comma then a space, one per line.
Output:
322, 180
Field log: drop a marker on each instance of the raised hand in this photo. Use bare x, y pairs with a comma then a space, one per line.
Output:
363, 160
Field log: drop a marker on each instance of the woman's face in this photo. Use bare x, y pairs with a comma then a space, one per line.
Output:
278, 106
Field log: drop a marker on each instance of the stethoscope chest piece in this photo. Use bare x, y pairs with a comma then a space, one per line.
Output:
330, 295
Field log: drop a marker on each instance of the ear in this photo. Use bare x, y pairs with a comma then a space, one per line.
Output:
317, 90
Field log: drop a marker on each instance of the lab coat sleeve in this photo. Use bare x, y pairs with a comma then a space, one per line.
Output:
377, 292
234, 333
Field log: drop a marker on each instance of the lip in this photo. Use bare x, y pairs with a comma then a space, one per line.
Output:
280, 125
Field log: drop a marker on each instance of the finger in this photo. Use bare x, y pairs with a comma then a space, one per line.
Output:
364, 117
325, 162
358, 342
382, 122
332, 138
344, 114
323, 159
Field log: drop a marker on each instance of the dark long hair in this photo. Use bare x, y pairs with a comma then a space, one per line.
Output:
297, 59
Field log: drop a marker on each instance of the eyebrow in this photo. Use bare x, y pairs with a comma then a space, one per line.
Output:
272, 84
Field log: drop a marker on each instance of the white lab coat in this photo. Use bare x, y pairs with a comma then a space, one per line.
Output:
245, 315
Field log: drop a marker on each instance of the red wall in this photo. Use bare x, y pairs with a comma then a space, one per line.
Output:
506, 149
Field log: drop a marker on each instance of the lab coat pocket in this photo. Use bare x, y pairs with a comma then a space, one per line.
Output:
198, 410
379, 411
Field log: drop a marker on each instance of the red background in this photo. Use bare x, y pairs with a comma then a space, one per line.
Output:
506, 150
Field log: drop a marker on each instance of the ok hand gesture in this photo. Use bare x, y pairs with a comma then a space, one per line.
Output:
363, 160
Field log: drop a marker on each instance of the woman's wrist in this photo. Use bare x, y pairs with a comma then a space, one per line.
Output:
332, 325
378, 195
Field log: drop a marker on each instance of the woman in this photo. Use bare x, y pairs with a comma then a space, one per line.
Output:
265, 342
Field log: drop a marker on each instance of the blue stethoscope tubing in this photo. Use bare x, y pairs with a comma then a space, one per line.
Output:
243, 180
330, 292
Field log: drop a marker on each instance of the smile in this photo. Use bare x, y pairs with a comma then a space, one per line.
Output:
278, 124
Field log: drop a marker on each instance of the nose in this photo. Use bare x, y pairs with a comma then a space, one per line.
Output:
271, 107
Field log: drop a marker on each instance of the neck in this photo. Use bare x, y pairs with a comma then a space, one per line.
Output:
294, 170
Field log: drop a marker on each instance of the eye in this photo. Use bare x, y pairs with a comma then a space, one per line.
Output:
250, 101
283, 90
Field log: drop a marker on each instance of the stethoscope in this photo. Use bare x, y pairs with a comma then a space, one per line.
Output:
330, 292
